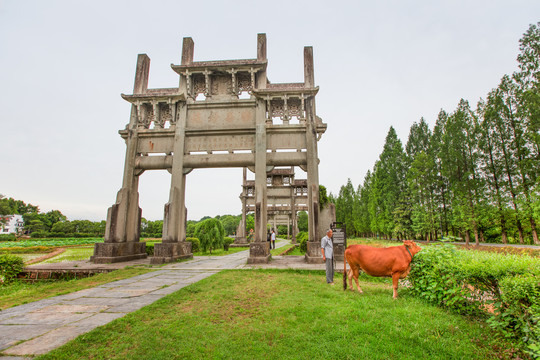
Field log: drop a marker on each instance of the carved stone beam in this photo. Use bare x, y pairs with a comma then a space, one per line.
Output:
268, 110
302, 117
252, 72
207, 74
140, 122
172, 107
233, 72
157, 116
187, 74
285, 116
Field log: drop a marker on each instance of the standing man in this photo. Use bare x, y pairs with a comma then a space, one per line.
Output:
273, 239
327, 250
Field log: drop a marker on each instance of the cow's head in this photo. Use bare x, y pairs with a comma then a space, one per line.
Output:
411, 245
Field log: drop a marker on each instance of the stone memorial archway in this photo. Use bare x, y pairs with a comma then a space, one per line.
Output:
206, 122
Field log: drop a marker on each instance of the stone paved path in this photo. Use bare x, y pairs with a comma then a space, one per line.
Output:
39, 327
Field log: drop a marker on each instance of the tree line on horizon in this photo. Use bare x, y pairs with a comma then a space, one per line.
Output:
55, 224
474, 175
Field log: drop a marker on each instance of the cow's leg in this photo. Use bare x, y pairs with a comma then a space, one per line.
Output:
350, 275
355, 276
395, 280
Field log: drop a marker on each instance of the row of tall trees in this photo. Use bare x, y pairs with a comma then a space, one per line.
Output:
475, 175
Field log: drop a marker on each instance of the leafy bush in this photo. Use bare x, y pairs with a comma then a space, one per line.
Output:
195, 244
227, 241
51, 242
10, 267
302, 238
40, 234
518, 312
150, 249
471, 281
8, 237
210, 233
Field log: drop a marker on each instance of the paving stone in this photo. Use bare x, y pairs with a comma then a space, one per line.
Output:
6, 343
45, 319
23, 332
72, 308
169, 290
97, 320
118, 293
45, 343
99, 301
135, 305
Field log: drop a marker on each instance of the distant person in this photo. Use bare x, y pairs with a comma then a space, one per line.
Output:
269, 238
327, 250
273, 238
250, 236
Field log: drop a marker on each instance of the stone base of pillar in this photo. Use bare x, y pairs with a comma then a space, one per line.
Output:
240, 240
169, 252
105, 253
313, 254
259, 253
244, 245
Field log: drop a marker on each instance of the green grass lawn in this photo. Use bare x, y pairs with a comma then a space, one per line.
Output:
20, 292
221, 252
72, 254
271, 314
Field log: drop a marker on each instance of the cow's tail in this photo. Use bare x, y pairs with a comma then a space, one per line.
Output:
344, 271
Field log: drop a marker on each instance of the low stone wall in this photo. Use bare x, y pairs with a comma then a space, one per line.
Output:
58, 274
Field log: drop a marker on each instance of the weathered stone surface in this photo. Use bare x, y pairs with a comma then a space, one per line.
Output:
118, 252
135, 304
313, 254
259, 252
169, 252
10, 334
45, 343
71, 308
35, 318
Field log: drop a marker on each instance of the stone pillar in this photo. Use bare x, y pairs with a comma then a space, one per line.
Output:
259, 251
313, 254
122, 231
288, 226
174, 246
241, 229
293, 215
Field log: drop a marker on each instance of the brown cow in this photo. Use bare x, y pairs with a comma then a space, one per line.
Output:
394, 261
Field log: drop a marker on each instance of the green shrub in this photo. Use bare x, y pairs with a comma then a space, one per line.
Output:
518, 313
150, 249
210, 233
10, 267
227, 241
470, 281
58, 235
39, 234
8, 237
195, 244
302, 238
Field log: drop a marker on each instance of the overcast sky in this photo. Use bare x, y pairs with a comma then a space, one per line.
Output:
63, 65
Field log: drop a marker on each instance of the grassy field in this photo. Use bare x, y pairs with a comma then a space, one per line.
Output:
19, 292
72, 254
270, 314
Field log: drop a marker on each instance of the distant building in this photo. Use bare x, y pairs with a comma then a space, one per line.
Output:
13, 225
